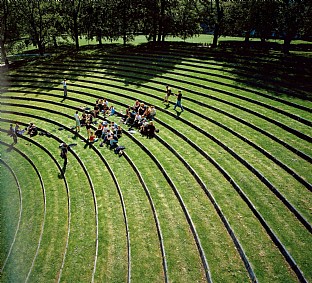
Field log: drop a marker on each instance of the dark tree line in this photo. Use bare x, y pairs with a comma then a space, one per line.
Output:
42, 22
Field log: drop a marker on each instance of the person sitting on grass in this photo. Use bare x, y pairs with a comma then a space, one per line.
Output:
137, 120
143, 128
136, 105
92, 138
106, 137
142, 109
113, 140
98, 132
130, 118
32, 130
111, 110
83, 120
119, 132
150, 112
151, 130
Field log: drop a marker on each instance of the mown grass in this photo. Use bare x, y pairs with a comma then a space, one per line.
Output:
139, 75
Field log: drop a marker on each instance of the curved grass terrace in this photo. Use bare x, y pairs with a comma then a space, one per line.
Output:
221, 194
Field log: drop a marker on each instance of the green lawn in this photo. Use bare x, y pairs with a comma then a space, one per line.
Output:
208, 199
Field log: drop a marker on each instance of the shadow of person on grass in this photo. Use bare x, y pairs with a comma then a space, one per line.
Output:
61, 175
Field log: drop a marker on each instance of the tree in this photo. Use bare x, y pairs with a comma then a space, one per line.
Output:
39, 17
70, 12
8, 27
292, 18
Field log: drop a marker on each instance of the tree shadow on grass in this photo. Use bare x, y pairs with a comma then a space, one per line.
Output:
135, 65
267, 68
258, 68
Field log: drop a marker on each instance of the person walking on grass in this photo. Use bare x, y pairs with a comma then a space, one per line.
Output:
77, 118
64, 150
65, 87
179, 101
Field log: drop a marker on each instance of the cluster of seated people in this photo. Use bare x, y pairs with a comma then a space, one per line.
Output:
141, 117
101, 106
32, 130
109, 133
137, 116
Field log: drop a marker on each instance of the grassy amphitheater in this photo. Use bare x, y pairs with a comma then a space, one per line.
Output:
221, 194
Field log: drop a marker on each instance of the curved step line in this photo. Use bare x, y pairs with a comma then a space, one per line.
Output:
86, 173
298, 106
104, 161
265, 105
20, 212
267, 183
253, 170
186, 213
275, 160
270, 232
196, 238
121, 200
95, 209
225, 222
204, 56
250, 168
283, 143
270, 120
157, 223
267, 154
44, 208
67, 192
274, 238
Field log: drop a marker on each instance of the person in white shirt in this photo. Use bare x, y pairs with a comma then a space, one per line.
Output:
65, 87
77, 118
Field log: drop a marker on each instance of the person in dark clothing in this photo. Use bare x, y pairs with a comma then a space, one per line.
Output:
151, 130
179, 101
64, 150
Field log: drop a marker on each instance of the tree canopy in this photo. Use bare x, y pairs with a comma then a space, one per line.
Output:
41, 22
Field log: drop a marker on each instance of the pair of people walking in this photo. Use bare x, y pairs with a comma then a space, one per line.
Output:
178, 95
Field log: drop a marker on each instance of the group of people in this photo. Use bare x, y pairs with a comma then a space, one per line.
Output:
141, 117
15, 131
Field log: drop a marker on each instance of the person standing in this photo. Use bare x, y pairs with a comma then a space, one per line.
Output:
179, 101
64, 150
13, 134
88, 128
168, 93
65, 87
77, 118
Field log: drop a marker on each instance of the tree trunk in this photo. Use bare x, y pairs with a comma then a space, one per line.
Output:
286, 46
216, 35
3, 53
217, 25
100, 37
54, 41
76, 33
40, 47
160, 22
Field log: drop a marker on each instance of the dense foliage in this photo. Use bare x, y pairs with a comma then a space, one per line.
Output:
41, 22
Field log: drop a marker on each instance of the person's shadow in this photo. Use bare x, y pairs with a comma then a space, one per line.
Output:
61, 175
